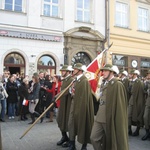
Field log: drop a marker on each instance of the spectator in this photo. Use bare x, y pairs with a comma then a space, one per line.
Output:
23, 93
12, 96
3, 97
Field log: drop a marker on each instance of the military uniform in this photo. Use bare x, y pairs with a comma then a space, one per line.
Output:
136, 105
109, 131
81, 116
64, 109
126, 82
146, 116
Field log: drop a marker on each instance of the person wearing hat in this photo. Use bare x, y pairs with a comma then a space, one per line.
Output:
136, 104
146, 116
109, 131
65, 103
125, 80
81, 116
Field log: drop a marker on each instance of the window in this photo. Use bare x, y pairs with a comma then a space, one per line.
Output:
84, 10
143, 19
13, 5
51, 8
81, 57
47, 64
121, 18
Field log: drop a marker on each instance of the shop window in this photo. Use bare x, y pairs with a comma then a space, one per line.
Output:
81, 57
47, 64
145, 65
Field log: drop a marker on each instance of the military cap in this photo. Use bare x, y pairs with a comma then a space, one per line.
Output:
107, 67
125, 73
64, 68
78, 66
136, 72
115, 69
132, 71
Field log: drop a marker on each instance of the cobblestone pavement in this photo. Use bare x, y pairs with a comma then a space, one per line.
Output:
44, 136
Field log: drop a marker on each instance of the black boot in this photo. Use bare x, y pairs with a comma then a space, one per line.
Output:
136, 133
33, 118
72, 146
25, 117
146, 136
63, 139
37, 114
22, 118
129, 130
84, 147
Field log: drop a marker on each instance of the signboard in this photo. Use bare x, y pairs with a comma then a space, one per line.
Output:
145, 64
26, 35
119, 62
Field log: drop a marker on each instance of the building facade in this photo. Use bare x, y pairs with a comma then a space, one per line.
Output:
43, 34
130, 34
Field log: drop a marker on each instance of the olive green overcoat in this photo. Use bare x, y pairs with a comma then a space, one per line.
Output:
0, 139
83, 110
116, 117
138, 101
65, 103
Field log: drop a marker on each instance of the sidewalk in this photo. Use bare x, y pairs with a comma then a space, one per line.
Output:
44, 136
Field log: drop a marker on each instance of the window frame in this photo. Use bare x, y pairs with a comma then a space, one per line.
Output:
148, 18
90, 12
127, 14
2, 6
59, 10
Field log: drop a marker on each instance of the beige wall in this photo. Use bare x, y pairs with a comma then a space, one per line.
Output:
128, 41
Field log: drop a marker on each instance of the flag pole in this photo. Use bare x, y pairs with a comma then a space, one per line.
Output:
56, 98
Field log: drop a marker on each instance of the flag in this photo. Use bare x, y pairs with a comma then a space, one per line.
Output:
25, 102
94, 75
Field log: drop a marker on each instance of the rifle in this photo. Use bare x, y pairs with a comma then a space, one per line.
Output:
55, 99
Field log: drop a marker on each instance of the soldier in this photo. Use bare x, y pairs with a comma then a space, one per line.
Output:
64, 109
147, 109
136, 103
81, 116
125, 80
109, 131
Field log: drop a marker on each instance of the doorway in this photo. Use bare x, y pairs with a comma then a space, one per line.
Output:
14, 70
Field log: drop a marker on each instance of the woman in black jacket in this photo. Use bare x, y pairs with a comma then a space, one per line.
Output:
23, 93
12, 99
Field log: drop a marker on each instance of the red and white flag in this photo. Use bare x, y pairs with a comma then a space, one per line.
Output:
94, 74
25, 102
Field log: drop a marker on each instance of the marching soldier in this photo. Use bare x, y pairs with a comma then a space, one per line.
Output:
147, 109
64, 109
109, 131
125, 80
81, 116
136, 103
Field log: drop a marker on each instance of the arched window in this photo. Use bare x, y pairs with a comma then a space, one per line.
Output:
15, 63
47, 64
81, 57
